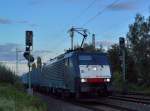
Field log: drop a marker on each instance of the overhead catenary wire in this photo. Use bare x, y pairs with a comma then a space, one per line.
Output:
85, 10
79, 16
100, 12
90, 20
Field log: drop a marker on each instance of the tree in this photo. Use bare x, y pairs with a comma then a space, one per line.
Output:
114, 57
113, 54
7, 76
39, 62
139, 46
33, 66
91, 48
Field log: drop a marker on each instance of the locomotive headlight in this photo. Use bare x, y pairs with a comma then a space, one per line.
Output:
108, 80
94, 68
83, 80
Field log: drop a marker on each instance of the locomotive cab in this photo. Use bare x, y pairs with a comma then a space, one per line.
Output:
95, 74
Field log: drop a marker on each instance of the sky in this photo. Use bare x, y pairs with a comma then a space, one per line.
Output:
50, 21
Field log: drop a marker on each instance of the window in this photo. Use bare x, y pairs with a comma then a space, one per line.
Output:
85, 57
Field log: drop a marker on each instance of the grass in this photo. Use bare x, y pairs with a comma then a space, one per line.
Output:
12, 99
118, 85
140, 89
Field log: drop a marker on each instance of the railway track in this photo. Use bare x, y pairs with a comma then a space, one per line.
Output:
94, 104
97, 105
107, 104
121, 103
131, 99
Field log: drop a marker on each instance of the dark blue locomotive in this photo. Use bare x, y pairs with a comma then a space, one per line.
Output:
73, 73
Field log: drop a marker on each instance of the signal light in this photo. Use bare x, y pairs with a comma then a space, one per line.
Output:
28, 57
29, 38
122, 42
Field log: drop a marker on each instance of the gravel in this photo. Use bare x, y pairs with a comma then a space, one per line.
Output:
59, 105
130, 105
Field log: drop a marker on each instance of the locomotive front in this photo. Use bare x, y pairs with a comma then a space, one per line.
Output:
95, 74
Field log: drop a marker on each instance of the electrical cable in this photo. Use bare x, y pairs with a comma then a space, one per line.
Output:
86, 9
79, 16
100, 12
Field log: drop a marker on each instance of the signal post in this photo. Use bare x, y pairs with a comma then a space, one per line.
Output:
123, 64
29, 57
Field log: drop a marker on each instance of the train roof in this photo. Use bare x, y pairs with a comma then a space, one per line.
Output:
70, 53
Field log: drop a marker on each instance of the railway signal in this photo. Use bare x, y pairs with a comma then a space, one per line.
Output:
28, 56
122, 56
122, 42
29, 38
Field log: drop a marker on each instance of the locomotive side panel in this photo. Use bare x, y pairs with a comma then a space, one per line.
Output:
53, 75
71, 73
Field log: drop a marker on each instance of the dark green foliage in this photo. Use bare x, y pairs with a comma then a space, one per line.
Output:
7, 76
117, 81
131, 72
137, 52
91, 48
139, 47
39, 62
114, 58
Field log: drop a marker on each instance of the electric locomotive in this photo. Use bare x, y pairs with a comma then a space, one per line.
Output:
74, 73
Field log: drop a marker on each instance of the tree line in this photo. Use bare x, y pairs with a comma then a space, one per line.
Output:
137, 52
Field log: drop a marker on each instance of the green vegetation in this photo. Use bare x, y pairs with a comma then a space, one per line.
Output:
137, 57
131, 87
117, 81
140, 89
7, 76
13, 96
12, 99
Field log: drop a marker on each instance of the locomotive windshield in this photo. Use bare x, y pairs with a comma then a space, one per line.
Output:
94, 66
93, 59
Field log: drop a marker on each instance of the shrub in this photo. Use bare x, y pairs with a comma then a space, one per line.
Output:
117, 81
7, 76
12, 99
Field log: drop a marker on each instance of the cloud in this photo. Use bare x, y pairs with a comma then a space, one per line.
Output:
8, 51
104, 43
9, 21
27, 23
44, 54
130, 5
8, 56
33, 25
5, 21
23, 22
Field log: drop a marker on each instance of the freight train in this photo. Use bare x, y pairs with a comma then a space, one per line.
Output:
73, 73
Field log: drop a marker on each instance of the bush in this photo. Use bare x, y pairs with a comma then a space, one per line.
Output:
138, 88
7, 76
117, 82
12, 96
12, 99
